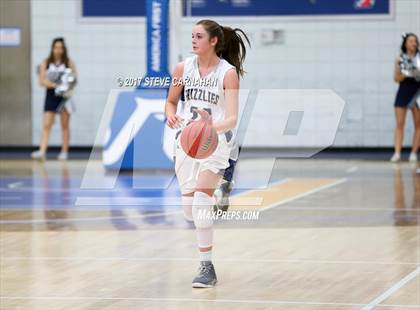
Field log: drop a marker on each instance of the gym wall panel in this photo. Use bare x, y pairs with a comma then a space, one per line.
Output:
353, 57
15, 82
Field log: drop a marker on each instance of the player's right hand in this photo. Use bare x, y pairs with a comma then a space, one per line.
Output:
174, 121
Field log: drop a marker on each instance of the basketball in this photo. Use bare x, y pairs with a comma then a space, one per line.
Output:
199, 139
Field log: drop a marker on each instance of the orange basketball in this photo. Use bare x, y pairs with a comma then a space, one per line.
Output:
199, 139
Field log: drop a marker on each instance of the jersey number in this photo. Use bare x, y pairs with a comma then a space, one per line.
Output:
193, 110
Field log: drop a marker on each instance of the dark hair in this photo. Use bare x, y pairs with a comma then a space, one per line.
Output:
64, 57
230, 44
405, 38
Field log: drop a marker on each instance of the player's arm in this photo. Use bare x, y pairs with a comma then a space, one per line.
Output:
231, 86
43, 81
174, 94
398, 76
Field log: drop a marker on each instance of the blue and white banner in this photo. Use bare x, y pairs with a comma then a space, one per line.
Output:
113, 8
137, 8
157, 38
286, 7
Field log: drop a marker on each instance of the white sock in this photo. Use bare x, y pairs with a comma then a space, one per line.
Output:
205, 256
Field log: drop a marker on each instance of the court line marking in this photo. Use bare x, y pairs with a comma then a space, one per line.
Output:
5, 198
392, 289
85, 219
122, 208
194, 259
352, 169
248, 301
314, 207
15, 184
112, 190
276, 204
152, 201
74, 189
92, 201
318, 189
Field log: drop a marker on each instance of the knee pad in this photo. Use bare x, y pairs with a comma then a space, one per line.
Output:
187, 202
202, 210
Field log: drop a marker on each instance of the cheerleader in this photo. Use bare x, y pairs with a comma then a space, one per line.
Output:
407, 74
51, 70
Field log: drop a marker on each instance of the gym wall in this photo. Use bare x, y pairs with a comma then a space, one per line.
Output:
15, 82
352, 57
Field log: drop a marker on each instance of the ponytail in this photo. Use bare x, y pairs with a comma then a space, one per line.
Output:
230, 44
234, 50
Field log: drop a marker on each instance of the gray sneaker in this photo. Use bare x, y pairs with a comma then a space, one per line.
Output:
222, 196
206, 275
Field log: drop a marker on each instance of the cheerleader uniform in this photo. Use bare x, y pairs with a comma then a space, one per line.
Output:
409, 89
54, 103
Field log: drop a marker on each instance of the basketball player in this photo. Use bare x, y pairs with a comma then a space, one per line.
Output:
407, 74
219, 55
50, 71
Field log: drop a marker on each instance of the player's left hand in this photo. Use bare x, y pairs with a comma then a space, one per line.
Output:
205, 116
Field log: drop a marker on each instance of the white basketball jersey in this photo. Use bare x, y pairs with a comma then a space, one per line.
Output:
205, 93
